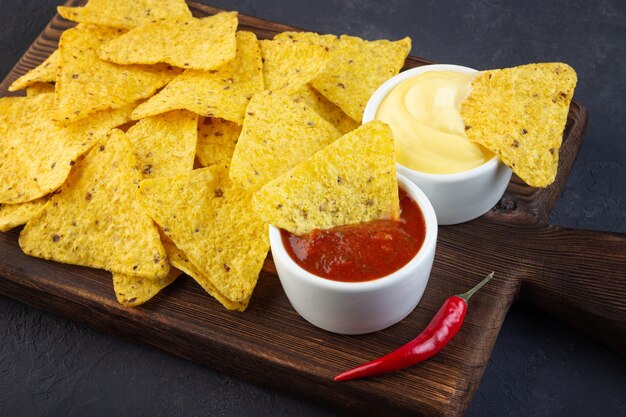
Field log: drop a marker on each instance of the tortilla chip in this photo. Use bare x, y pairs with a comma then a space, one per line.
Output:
289, 63
329, 111
37, 154
86, 84
165, 144
213, 223
95, 220
223, 93
519, 114
179, 260
39, 88
13, 215
46, 72
125, 14
357, 68
277, 134
217, 139
132, 291
352, 180
202, 44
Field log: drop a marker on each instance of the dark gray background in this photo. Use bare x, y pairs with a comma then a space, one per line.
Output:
539, 367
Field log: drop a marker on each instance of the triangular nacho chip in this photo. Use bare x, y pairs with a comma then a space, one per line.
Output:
329, 111
202, 44
277, 134
125, 14
36, 155
519, 114
95, 219
46, 72
352, 180
289, 63
224, 92
217, 139
165, 144
13, 215
86, 84
132, 291
357, 68
213, 223
179, 260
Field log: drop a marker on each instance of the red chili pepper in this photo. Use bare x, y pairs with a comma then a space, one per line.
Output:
435, 336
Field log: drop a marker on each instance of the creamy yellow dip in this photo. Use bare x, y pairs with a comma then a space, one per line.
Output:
429, 133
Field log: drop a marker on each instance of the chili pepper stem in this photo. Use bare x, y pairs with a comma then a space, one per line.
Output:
466, 295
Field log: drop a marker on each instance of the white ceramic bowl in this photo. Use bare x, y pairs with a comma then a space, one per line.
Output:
457, 197
359, 307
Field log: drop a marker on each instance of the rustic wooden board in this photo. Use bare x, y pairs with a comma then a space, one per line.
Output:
575, 275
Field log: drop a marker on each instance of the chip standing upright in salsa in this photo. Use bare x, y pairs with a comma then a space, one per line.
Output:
361, 252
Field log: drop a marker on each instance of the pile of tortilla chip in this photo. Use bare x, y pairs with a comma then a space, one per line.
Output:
152, 143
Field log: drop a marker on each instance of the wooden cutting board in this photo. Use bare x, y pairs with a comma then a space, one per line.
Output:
575, 275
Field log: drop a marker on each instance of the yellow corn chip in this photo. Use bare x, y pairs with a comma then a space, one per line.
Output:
329, 111
357, 68
216, 141
277, 134
352, 180
36, 155
519, 113
132, 291
13, 215
213, 223
39, 88
165, 144
46, 72
125, 14
86, 84
202, 44
179, 260
289, 63
96, 220
224, 92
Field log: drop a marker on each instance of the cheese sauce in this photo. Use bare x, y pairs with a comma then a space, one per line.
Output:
424, 115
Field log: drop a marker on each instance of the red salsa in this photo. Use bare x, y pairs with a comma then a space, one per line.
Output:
361, 252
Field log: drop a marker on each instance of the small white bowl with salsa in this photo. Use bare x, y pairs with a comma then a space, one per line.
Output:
358, 279
462, 179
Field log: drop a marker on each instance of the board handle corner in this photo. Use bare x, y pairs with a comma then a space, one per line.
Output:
580, 279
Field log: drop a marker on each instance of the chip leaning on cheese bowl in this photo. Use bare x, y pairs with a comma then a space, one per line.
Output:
460, 132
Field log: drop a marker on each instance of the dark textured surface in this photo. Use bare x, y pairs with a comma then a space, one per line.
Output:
49, 366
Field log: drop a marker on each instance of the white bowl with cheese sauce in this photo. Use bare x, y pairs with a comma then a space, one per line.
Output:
461, 179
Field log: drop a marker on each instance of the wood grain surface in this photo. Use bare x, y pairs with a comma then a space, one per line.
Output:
575, 275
